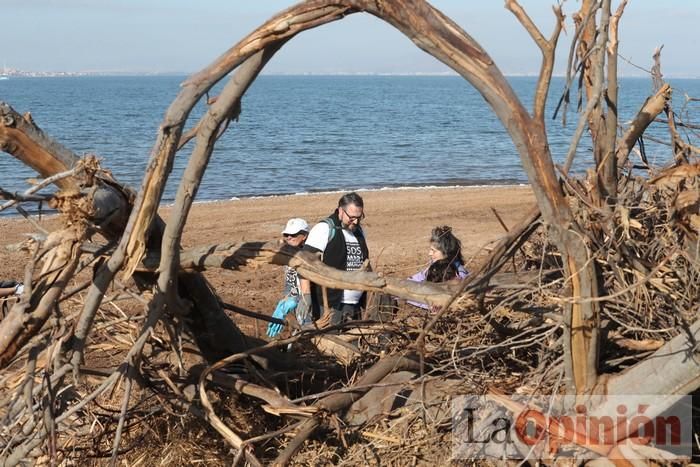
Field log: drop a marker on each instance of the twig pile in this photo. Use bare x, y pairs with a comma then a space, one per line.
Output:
609, 275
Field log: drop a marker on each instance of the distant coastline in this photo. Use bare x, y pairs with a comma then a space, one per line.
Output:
16, 73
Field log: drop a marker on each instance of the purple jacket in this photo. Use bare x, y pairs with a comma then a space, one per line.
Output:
420, 276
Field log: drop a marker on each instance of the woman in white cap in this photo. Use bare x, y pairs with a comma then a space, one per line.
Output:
294, 235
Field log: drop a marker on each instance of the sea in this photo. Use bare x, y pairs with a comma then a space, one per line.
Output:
304, 134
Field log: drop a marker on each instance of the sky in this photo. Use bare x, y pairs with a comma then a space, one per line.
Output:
183, 36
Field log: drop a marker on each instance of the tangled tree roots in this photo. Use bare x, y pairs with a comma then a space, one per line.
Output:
118, 342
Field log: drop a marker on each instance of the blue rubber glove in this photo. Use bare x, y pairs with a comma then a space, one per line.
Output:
284, 306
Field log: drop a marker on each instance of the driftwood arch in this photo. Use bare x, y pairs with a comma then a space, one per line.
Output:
436, 34
142, 246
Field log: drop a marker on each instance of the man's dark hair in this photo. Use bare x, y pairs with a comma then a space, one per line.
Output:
351, 198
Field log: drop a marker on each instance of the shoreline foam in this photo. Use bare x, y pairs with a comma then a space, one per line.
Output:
51, 213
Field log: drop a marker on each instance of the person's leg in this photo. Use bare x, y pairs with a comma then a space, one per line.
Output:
381, 307
351, 312
337, 314
344, 312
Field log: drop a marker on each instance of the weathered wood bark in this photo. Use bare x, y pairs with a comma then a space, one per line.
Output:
597, 52
673, 370
28, 316
20, 137
336, 402
309, 265
609, 170
597, 94
651, 108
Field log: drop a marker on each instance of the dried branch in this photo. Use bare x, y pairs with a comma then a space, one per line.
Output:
652, 107
339, 401
36, 150
26, 195
233, 256
270, 35
547, 47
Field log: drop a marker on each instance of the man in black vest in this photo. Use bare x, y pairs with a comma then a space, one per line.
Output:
342, 244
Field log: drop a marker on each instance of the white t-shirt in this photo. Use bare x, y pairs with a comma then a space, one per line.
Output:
318, 238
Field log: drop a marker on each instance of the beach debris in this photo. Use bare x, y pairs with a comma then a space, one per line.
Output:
118, 338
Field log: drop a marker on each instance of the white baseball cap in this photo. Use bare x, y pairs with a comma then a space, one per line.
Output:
296, 225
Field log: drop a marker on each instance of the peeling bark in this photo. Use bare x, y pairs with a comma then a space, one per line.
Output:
149, 249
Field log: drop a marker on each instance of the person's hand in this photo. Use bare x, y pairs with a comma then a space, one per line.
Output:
19, 289
366, 265
284, 306
303, 312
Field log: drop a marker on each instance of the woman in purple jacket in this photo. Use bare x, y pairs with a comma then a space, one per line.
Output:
446, 261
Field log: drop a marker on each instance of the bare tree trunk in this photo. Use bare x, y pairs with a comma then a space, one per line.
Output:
653, 106
20, 137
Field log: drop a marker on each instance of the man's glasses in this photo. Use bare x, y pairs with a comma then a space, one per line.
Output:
292, 235
353, 218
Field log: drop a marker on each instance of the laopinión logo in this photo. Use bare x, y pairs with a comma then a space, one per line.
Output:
629, 427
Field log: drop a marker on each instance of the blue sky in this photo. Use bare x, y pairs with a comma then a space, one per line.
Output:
183, 36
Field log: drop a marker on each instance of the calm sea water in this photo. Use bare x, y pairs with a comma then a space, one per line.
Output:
308, 133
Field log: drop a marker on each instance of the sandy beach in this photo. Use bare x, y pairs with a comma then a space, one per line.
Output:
397, 227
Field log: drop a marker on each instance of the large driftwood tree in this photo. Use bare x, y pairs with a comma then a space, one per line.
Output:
120, 234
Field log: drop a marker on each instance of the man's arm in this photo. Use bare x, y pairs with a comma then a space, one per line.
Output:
6, 291
304, 285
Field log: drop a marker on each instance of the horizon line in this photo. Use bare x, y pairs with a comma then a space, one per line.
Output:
38, 74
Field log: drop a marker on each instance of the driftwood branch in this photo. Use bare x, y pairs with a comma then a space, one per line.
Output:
547, 47
309, 266
608, 170
672, 370
579, 255
652, 107
26, 195
336, 402
20, 137
273, 33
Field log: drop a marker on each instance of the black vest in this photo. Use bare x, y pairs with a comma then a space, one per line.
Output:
335, 255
